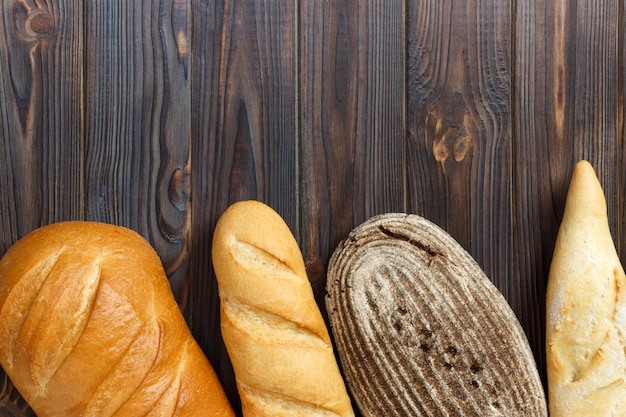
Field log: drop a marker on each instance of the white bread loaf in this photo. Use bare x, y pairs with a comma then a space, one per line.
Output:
89, 327
273, 330
586, 314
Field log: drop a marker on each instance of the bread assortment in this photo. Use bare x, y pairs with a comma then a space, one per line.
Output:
274, 332
420, 330
89, 327
585, 308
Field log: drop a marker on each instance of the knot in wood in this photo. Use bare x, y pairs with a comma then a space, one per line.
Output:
452, 129
33, 25
40, 24
440, 151
180, 189
459, 142
462, 147
315, 268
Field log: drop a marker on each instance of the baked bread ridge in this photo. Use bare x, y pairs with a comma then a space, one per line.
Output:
585, 310
420, 330
89, 326
273, 330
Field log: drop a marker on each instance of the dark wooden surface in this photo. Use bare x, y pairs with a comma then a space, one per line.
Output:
157, 114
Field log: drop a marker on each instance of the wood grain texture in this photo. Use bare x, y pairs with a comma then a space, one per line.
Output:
202, 311
567, 107
352, 121
40, 107
137, 111
244, 141
459, 125
621, 175
41, 126
156, 115
11, 402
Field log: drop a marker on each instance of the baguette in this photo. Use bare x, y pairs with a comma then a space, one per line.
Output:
274, 333
89, 327
585, 310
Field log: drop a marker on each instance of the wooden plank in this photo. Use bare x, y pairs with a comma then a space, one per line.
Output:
137, 110
621, 175
568, 107
313, 108
459, 119
203, 309
535, 222
40, 126
244, 139
352, 121
40, 116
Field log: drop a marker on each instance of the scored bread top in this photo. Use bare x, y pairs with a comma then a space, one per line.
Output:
254, 247
273, 329
89, 326
420, 329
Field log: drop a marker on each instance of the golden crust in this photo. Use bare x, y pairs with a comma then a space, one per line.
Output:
89, 326
586, 314
273, 330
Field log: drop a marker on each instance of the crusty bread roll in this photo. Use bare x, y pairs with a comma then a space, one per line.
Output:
273, 330
420, 330
89, 327
586, 315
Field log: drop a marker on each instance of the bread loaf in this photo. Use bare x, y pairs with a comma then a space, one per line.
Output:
274, 333
89, 327
421, 331
585, 308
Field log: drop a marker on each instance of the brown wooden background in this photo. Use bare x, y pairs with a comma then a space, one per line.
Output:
156, 114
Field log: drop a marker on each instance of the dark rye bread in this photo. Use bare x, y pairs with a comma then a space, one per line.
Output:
421, 331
